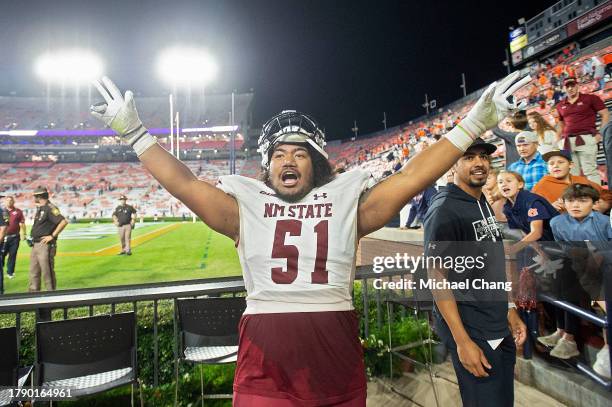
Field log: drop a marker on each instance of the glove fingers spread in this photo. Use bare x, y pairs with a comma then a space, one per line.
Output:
129, 97
103, 92
506, 82
522, 105
96, 114
113, 90
487, 96
517, 85
98, 107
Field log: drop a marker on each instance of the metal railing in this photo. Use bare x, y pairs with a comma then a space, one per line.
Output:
134, 294
65, 300
594, 319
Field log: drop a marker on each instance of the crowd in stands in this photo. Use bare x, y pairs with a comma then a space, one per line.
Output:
90, 191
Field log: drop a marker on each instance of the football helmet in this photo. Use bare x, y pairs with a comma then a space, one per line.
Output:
292, 127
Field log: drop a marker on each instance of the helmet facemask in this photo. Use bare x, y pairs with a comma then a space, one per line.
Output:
290, 127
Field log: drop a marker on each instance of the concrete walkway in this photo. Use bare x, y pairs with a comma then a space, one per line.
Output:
414, 389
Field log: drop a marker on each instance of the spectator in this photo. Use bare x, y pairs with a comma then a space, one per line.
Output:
525, 210
599, 71
530, 166
607, 60
578, 224
418, 208
577, 114
531, 214
552, 186
606, 132
547, 137
519, 122
494, 197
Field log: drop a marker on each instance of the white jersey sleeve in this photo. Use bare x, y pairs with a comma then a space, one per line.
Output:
298, 257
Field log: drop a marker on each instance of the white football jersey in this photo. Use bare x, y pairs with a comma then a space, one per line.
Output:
298, 257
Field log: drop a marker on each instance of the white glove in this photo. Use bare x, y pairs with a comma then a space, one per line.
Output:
546, 267
120, 115
492, 107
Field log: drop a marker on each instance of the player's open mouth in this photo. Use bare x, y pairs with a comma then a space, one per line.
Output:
478, 172
505, 191
289, 178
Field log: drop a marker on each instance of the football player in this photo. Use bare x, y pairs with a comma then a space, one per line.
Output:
296, 232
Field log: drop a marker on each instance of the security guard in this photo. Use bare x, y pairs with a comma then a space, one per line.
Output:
48, 224
124, 218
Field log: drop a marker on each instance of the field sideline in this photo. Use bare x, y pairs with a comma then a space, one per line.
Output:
87, 256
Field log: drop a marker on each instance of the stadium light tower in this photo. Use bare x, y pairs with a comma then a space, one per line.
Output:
69, 67
185, 66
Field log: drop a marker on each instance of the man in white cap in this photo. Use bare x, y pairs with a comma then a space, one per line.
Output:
531, 165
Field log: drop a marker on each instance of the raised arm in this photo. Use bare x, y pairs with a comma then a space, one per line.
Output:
216, 208
379, 204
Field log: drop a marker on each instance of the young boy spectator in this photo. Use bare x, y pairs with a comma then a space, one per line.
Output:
579, 223
530, 166
552, 186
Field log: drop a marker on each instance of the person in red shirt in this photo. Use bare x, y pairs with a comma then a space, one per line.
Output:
15, 224
577, 115
553, 186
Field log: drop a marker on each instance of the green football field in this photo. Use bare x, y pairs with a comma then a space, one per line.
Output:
87, 256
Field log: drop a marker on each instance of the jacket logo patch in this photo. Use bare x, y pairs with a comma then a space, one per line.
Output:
532, 212
487, 228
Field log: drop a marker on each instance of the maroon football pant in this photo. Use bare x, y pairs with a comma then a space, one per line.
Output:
308, 359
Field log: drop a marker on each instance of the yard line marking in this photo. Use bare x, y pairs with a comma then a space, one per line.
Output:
114, 249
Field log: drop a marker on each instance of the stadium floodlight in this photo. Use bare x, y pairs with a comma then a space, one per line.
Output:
71, 66
186, 66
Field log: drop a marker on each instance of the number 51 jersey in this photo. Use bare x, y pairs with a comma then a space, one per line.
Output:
298, 256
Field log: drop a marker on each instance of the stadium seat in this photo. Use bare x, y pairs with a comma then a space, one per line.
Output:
89, 355
207, 334
11, 375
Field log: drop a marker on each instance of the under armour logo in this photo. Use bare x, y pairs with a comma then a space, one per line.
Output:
323, 195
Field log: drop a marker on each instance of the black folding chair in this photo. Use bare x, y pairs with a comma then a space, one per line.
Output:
11, 375
89, 355
207, 333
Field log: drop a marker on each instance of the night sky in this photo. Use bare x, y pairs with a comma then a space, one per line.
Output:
337, 60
